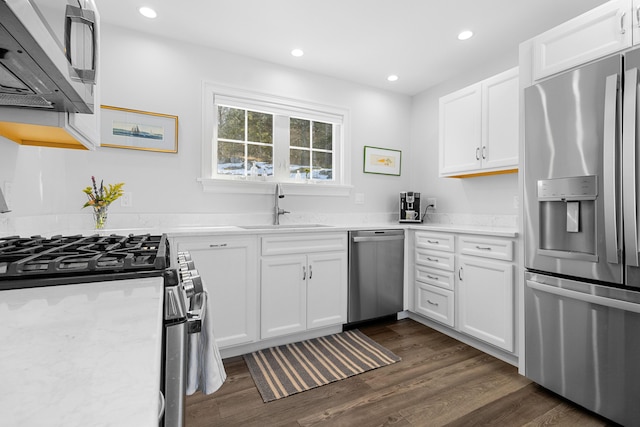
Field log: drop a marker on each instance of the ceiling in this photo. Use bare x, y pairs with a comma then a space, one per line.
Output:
362, 41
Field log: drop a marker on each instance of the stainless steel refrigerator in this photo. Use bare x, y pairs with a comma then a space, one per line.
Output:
582, 287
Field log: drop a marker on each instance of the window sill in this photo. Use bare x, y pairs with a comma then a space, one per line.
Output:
310, 188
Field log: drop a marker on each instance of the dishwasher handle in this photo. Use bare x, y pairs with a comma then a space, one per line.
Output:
376, 238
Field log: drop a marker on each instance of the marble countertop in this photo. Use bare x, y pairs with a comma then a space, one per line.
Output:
190, 230
81, 355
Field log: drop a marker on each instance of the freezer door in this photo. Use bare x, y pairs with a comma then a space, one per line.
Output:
572, 201
582, 342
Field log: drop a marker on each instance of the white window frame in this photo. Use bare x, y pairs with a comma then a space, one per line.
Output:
214, 94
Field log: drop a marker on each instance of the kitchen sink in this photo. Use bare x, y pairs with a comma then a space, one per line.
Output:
280, 226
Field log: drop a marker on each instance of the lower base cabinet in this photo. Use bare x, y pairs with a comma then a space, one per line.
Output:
229, 270
466, 282
303, 283
485, 301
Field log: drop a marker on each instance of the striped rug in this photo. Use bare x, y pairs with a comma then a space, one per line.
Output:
289, 369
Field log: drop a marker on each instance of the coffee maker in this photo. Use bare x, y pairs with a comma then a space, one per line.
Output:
410, 207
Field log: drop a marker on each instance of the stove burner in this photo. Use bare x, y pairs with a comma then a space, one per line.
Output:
60, 255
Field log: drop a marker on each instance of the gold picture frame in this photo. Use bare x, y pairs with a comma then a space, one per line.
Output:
138, 130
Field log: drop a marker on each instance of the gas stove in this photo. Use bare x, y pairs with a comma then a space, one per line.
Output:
39, 261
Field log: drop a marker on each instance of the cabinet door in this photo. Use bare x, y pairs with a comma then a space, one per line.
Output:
459, 130
594, 34
283, 296
635, 21
327, 289
485, 300
500, 121
228, 267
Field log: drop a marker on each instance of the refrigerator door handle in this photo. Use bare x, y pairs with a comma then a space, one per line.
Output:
609, 168
629, 167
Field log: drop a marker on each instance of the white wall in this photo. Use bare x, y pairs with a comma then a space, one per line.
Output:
491, 195
159, 75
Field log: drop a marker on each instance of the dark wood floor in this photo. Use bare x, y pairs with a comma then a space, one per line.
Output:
439, 381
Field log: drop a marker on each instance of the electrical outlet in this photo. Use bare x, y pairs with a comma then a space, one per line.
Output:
516, 202
359, 199
126, 200
431, 202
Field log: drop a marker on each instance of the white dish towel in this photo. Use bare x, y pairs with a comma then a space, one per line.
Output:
205, 371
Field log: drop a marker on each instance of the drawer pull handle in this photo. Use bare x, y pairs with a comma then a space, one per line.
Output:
435, 242
432, 303
220, 245
310, 273
460, 273
483, 248
304, 273
433, 259
432, 277
622, 30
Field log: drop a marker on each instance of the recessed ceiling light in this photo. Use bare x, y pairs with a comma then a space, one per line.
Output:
297, 52
147, 12
392, 78
464, 35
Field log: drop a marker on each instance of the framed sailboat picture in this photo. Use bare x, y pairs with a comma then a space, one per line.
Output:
382, 161
138, 130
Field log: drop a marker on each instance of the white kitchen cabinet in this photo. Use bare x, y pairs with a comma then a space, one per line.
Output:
228, 266
466, 282
303, 283
433, 273
485, 290
478, 128
601, 31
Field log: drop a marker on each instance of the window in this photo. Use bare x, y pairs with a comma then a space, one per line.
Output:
254, 138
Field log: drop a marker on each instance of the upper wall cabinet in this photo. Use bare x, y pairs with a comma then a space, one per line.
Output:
479, 128
608, 28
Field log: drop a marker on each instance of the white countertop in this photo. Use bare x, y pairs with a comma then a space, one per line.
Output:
81, 355
190, 230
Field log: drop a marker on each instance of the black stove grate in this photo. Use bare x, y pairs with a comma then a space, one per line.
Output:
37, 256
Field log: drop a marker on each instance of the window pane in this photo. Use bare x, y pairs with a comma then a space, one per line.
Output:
299, 133
262, 157
322, 136
322, 165
230, 158
260, 127
230, 123
299, 161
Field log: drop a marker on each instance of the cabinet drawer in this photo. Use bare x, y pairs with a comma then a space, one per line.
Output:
487, 248
442, 260
304, 243
435, 303
438, 241
440, 278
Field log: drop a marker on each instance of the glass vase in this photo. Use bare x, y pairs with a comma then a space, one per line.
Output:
100, 216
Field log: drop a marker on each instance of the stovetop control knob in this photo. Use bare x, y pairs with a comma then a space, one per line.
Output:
193, 284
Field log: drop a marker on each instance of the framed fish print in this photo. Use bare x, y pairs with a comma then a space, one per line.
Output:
382, 161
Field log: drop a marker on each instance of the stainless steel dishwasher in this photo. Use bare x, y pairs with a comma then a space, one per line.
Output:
376, 267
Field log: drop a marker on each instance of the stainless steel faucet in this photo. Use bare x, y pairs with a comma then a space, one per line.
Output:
276, 209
